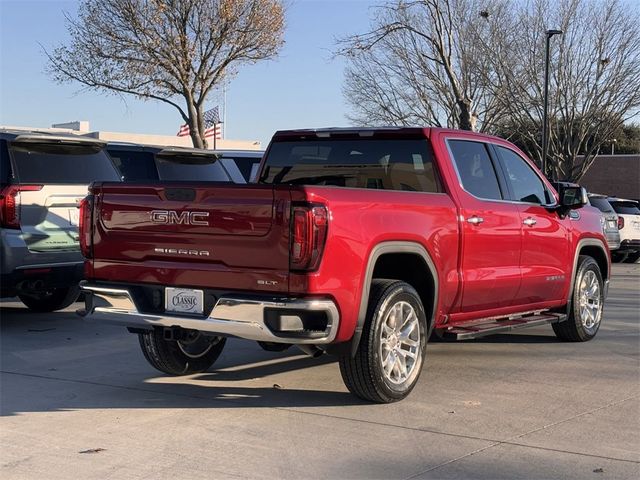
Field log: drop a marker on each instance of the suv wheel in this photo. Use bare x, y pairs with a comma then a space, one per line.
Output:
50, 300
632, 257
193, 354
586, 304
392, 349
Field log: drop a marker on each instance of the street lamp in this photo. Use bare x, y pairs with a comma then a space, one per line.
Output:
545, 113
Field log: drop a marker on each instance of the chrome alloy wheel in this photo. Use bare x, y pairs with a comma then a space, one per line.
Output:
589, 300
400, 351
196, 345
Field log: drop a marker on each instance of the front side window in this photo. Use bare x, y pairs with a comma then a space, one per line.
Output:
401, 164
477, 174
525, 184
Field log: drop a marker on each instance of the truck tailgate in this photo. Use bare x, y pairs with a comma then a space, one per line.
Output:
232, 237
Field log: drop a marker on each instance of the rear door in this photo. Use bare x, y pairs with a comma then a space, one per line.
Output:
491, 230
53, 179
545, 259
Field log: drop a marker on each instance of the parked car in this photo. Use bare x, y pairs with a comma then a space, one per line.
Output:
241, 164
608, 219
353, 242
43, 177
139, 163
629, 225
145, 162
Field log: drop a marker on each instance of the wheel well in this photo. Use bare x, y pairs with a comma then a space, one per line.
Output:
410, 268
599, 256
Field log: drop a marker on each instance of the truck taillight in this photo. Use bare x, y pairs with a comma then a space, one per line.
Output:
10, 204
85, 226
308, 234
620, 223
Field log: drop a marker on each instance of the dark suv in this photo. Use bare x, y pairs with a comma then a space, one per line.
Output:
43, 179
149, 162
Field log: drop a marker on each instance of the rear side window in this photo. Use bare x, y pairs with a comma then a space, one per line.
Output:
601, 204
134, 166
62, 164
525, 184
626, 208
404, 165
476, 170
176, 168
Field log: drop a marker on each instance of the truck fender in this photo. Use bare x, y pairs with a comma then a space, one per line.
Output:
588, 242
376, 252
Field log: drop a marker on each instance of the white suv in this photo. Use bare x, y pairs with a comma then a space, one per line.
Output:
629, 225
43, 177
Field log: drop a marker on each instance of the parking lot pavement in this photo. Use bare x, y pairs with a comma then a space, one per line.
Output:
79, 401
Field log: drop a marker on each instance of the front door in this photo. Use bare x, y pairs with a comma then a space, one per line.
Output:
545, 258
491, 231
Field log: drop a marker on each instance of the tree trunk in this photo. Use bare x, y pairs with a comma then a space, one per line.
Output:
195, 125
466, 118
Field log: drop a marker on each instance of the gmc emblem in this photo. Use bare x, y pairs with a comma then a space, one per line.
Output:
171, 217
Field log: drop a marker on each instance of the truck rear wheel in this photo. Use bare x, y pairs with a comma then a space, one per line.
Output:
193, 354
392, 349
50, 300
586, 304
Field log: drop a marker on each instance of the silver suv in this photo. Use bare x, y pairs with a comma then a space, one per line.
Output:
43, 178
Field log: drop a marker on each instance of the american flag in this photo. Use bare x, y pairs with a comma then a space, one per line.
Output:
212, 125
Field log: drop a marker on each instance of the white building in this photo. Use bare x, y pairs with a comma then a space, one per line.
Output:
82, 128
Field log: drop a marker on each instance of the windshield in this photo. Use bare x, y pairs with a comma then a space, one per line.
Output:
62, 164
357, 163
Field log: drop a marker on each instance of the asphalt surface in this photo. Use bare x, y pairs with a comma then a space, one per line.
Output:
78, 400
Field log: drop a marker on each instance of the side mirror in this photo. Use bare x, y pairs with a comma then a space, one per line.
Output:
572, 195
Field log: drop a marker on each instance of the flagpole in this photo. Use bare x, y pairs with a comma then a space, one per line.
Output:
224, 108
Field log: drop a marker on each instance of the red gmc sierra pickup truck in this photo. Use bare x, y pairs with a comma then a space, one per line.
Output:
355, 242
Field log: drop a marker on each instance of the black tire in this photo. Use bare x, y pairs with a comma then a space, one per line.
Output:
575, 328
364, 374
632, 257
51, 300
170, 357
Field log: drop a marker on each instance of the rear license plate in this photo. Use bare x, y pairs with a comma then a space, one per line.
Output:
183, 300
613, 224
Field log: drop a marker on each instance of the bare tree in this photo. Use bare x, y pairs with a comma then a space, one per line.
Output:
422, 63
173, 51
595, 81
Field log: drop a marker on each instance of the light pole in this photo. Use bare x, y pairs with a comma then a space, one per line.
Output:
545, 113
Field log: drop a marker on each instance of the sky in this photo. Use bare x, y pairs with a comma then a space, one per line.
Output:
301, 88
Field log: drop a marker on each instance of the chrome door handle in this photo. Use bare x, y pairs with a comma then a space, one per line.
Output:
530, 222
475, 220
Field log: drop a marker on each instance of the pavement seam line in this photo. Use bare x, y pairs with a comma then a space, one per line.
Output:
509, 442
494, 442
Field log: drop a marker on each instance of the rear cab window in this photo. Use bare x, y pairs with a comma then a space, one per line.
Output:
381, 164
46, 163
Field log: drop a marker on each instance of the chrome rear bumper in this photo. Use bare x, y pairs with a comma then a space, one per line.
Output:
238, 316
